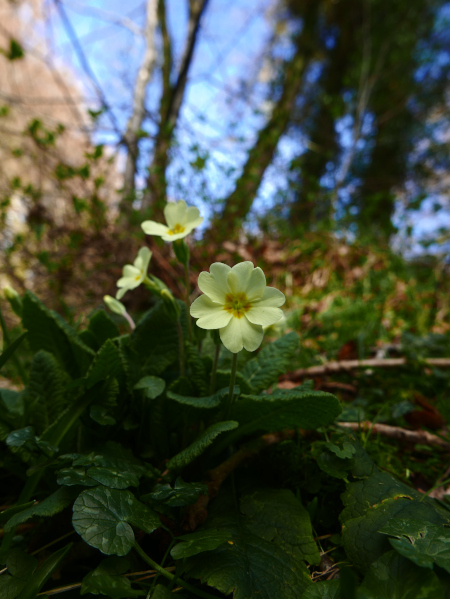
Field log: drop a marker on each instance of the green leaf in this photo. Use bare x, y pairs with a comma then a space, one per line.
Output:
162, 592
15, 50
46, 387
51, 505
107, 579
272, 361
196, 369
155, 340
198, 542
423, 543
108, 363
5, 515
152, 386
203, 441
223, 381
182, 493
75, 476
247, 565
277, 515
395, 577
102, 517
9, 351
48, 331
326, 589
361, 540
332, 459
26, 581
282, 409
201, 403
103, 327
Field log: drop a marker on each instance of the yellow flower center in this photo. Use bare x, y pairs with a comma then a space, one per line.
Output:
137, 277
177, 229
237, 304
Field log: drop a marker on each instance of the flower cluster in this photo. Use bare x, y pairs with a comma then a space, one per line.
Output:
236, 300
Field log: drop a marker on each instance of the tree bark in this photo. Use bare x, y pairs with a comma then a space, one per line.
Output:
132, 136
172, 97
238, 204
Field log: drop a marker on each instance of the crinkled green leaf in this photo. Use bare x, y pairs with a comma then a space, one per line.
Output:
395, 577
107, 579
109, 362
361, 540
205, 403
277, 515
247, 565
46, 390
365, 493
103, 327
196, 369
8, 352
75, 476
325, 589
51, 505
272, 361
155, 340
180, 495
47, 330
198, 542
152, 386
423, 543
102, 517
101, 415
223, 381
279, 410
203, 441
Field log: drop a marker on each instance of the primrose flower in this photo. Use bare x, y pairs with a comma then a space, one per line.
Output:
134, 275
237, 302
180, 220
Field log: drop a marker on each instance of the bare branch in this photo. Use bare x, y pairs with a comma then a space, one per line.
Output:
144, 75
348, 365
398, 433
170, 107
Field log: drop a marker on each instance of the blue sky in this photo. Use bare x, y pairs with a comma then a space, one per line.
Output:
230, 50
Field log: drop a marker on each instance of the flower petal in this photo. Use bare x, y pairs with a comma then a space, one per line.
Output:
130, 272
129, 282
265, 316
144, 254
174, 213
150, 227
241, 333
209, 314
214, 283
167, 237
272, 298
189, 226
121, 292
239, 276
256, 285
192, 215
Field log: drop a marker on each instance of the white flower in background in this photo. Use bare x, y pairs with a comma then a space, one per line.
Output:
237, 302
134, 275
180, 219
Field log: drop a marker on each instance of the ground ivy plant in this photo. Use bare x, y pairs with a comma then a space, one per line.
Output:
157, 462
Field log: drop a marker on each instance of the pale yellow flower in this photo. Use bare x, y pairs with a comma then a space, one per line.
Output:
134, 274
180, 219
238, 303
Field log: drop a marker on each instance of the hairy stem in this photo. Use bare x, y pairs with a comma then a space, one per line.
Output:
232, 382
214, 369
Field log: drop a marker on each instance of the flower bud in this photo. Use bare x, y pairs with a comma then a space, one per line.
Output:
114, 305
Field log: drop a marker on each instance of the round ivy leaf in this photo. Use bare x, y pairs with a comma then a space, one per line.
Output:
102, 517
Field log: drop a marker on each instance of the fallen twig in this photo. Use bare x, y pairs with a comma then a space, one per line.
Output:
396, 432
346, 365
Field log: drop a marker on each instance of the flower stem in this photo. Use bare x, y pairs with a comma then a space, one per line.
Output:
212, 387
188, 295
232, 382
129, 320
181, 340
170, 576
